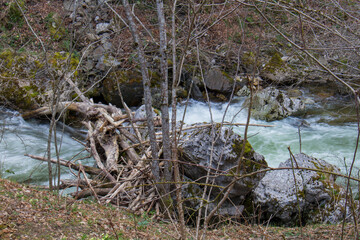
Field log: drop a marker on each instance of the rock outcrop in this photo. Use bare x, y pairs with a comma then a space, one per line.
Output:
219, 152
272, 104
220, 158
284, 194
277, 70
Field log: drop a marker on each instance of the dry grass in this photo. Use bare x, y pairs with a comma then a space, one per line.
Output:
28, 213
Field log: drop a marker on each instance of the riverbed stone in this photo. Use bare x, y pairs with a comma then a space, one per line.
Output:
273, 104
218, 150
282, 194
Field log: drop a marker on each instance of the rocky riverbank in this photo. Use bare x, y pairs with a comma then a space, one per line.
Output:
89, 67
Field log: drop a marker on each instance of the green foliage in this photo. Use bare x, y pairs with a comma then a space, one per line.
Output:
9, 171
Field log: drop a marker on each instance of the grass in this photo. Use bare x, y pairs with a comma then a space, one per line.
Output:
29, 213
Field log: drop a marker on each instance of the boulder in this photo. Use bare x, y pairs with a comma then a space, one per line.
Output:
131, 87
192, 195
218, 81
277, 71
282, 194
196, 148
272, 104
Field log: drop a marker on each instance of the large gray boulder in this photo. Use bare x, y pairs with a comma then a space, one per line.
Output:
282, 194
219, 81
219, 152
272, 104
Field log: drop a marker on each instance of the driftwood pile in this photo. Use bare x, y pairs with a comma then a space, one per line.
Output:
117, 142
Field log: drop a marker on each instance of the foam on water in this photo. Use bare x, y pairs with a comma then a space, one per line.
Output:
331, 143
18, 137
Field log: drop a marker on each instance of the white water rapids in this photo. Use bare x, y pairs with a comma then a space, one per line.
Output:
331, 143
19, 137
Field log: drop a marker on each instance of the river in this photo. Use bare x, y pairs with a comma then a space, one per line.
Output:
333, 143
19, 137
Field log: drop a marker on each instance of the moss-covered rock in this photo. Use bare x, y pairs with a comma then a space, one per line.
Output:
221, 149
17, 84
131, 87
25, 82
281, 195
277, 71
64, 61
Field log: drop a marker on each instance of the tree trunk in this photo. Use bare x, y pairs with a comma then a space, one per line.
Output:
164, 94
147, 92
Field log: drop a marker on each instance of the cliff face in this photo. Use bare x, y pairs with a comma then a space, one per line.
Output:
223, 43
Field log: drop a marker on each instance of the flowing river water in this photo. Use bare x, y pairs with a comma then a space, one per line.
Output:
333, 143
19, 137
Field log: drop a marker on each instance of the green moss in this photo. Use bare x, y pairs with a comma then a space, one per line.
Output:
226, 75
16, 85
237, 147
301, 194
275, 63
126, 76
248, 59
62, 60
8, 56
23, 97
55, 26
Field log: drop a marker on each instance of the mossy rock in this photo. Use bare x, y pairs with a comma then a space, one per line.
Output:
63, 61
223, 147
275, 63
276, 70
19, 85
21, 95
131, 87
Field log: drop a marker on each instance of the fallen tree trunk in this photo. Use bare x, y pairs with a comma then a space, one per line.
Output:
69, 164
88, 193
87, 109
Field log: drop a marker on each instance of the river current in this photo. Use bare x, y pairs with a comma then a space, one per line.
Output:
19, 137
333, 143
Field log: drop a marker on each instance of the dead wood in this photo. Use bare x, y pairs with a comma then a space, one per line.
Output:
124, 173
88, 192
66, 163
86, 108
81, 183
